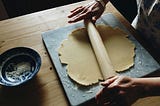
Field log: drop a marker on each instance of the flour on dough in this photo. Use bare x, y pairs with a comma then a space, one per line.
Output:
77, 53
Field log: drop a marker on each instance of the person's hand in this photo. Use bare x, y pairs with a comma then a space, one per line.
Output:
119, 91
92, 11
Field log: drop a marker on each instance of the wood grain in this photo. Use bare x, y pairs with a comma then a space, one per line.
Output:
25, 31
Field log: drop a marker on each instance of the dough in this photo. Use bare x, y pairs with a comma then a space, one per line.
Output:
77, 53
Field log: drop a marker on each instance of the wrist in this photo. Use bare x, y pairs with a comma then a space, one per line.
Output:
102, 2
141, 87
105, 1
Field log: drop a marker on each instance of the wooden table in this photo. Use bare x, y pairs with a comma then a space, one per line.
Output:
25, 31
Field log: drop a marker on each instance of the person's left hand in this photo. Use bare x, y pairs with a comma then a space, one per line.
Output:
92, 11
118, 91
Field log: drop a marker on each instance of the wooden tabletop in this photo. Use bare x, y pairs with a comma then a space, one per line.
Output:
25, 31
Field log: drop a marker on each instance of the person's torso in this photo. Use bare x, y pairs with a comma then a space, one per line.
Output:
148, 23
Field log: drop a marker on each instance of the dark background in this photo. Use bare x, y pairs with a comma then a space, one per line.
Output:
16, 8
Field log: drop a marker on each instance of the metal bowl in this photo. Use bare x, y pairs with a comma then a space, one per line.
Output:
18, 65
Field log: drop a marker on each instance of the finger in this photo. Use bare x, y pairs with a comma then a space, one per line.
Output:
86, 11
104, 92
86, 15
94, 18
106, 96
79, 14
89, 4
99, 95
75, 19
109, 81
113, 85
77, 11
117, 83
80, 10
94, 21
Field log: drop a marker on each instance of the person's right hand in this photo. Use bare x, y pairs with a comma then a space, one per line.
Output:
92, 11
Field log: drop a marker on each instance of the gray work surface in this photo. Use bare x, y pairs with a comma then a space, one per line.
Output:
77, 94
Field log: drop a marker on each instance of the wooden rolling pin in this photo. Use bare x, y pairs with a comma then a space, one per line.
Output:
100, 51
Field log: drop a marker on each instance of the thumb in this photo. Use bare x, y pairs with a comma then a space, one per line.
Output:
109, 81
94, 19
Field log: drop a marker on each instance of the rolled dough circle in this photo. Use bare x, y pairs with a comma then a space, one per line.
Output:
77, 53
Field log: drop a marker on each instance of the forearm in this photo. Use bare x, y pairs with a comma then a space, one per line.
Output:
151, 85
154, 81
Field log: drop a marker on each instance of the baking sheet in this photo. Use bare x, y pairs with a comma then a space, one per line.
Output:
76, 94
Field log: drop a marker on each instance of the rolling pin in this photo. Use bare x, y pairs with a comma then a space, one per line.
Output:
99, 50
